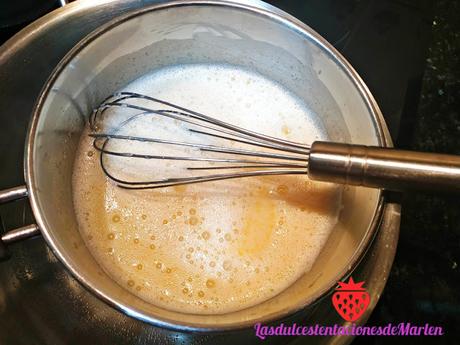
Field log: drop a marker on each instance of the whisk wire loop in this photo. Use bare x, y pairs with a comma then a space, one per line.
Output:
290, 158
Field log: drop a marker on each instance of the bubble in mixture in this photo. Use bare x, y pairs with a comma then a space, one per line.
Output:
193, 221
210, 283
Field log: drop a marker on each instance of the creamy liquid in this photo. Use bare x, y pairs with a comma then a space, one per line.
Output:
213, 247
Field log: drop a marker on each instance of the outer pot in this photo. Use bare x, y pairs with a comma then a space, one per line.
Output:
86, 75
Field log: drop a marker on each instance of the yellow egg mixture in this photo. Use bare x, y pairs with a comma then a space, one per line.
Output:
212, 247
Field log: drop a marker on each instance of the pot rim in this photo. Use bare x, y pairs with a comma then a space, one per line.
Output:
262, 9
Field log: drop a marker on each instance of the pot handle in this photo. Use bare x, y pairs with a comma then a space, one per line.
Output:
18, 234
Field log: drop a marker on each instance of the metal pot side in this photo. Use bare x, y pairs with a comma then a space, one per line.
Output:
251, 34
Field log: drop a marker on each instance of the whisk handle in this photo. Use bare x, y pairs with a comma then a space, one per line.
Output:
386, 168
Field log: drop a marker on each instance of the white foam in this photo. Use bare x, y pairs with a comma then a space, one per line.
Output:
214, 247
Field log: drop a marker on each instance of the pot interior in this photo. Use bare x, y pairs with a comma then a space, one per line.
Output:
199, 33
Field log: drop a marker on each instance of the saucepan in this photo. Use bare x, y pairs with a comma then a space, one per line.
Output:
249, 34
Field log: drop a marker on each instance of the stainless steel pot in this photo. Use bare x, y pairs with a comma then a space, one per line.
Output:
250, 34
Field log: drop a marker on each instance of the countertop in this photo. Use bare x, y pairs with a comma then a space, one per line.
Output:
424, 284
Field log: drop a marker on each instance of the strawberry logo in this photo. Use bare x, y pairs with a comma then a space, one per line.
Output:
350, 300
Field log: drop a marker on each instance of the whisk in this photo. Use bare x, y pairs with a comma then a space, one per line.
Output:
218, 150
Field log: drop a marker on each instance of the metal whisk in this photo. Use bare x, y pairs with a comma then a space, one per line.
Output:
218, 150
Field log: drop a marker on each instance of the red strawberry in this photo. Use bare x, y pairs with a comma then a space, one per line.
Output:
350, 300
